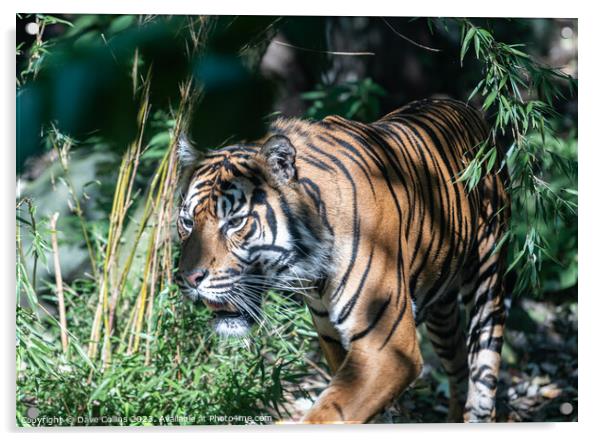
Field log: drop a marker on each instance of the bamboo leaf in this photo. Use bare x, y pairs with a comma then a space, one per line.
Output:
465, 45
489, 100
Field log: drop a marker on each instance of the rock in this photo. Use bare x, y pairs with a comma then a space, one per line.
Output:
541, 380
550, 391
521, 388
532, 390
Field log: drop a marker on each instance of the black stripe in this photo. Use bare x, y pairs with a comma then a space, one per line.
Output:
348, 307
377, 317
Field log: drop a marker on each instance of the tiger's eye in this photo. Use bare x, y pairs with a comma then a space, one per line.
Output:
188, 223
236, 222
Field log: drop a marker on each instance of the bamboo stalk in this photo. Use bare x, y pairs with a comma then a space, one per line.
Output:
155, 221
59, 282
161, 269
126, 328
151, 302
63, 154
122, 200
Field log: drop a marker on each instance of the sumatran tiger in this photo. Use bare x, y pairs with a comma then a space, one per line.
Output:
372, 220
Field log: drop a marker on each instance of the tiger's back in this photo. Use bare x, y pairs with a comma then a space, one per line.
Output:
394, 185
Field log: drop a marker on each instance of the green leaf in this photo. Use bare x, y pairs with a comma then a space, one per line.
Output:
516, 260
50, 19
121, 23
477, 44
489, 100
313, 95
516, 52
469, 35
492, 158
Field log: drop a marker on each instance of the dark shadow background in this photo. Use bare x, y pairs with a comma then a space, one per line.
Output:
246, 75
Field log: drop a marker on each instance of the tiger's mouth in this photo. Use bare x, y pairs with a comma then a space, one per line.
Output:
219, 307
228, 320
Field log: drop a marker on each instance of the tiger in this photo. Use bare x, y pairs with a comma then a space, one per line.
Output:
373, 222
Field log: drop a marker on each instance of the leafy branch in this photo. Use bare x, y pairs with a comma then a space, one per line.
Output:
39, 48
519, 93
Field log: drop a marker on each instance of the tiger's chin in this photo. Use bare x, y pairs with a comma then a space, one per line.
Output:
232, 324
228, 321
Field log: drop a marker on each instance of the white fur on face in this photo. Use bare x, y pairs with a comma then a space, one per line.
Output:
231, 327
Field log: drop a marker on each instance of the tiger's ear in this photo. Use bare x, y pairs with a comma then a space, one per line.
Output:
189, 158
279, 155
187, 154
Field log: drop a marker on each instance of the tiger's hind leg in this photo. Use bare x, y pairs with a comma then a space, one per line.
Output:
446, 333
486, 318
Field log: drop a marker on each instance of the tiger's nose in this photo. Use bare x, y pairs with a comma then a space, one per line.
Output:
195, 277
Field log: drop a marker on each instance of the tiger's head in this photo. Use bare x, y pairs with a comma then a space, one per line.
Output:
245, 227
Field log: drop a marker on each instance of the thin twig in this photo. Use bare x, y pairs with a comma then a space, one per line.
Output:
348, 54
63, 155
321, 371
59, 282
408, 39
109, 47
34, 232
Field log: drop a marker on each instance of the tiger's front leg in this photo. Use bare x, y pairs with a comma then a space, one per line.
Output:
383, 359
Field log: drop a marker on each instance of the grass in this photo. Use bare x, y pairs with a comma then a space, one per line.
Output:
190, 377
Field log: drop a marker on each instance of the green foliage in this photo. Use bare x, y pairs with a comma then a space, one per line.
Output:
39, 48
192, 376
546, 220
520, 94
354, 100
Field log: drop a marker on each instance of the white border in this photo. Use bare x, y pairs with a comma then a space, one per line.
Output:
590, 304
439, 8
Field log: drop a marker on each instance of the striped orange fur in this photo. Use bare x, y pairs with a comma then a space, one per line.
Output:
369, 222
